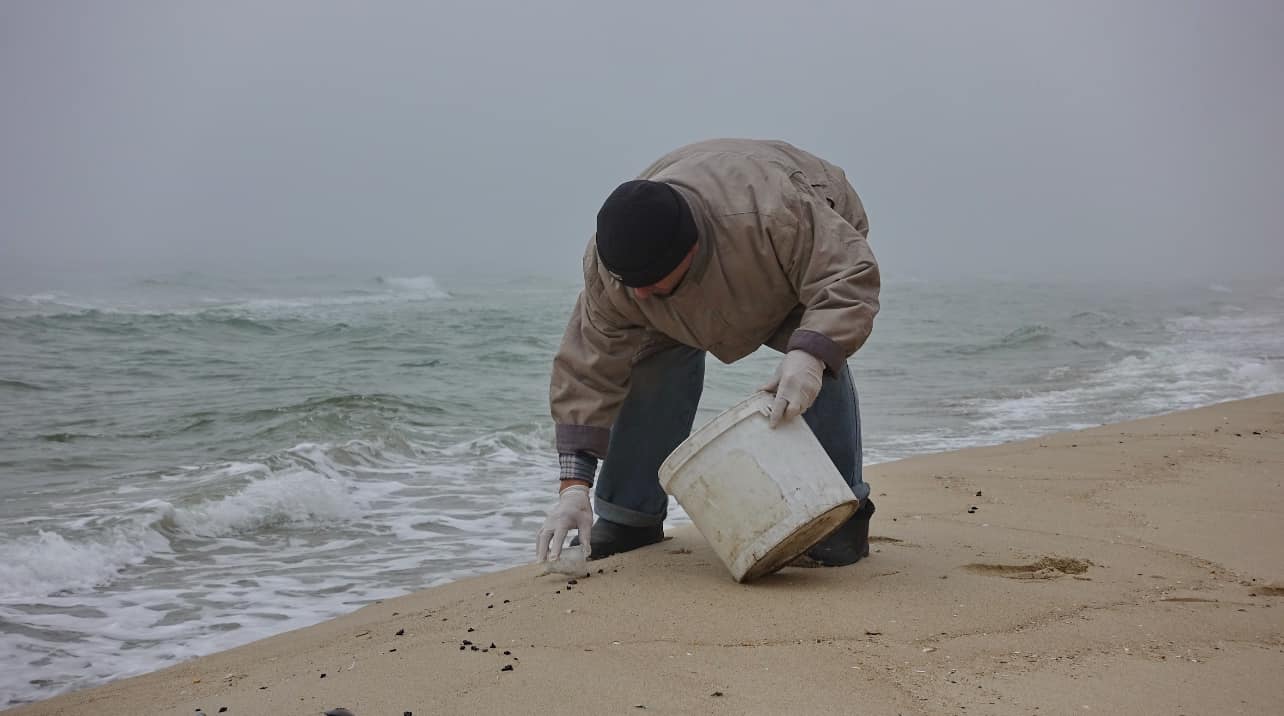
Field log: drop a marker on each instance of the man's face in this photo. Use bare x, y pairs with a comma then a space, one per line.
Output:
666, 285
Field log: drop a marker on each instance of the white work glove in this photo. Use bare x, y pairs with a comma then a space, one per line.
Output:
573, 511
796, 385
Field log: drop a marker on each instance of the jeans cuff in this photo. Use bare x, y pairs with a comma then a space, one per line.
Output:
625, 516
861, 490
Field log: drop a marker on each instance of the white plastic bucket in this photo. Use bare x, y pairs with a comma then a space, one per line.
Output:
761, 497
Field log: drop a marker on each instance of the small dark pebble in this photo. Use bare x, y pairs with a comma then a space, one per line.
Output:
558, 592
978, 493
572, 581
506, 667
407, 713
262, 688
506, 601
485, 650
391, 650
569, 587
473, 648
465, 642
490, 606
401, 632
462, 647
492, 645
470, 628
339, 712
717, 693
323, 676
396, 614
600, 571
222, 709
508, 653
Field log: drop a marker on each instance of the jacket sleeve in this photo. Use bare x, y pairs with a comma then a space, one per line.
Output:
836, 276
591, 376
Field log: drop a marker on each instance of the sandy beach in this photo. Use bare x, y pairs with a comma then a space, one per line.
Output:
1132, 568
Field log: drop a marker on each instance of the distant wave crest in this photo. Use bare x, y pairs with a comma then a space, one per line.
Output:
425, 286
1020, 338
304, 300
21, 385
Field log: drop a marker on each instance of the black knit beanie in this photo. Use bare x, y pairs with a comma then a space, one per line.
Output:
644, 230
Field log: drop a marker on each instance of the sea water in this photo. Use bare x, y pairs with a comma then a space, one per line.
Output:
190, 462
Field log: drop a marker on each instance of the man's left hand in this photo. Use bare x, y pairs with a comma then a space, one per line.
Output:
796, 385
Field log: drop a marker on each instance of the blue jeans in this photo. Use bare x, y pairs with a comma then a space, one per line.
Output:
658, 414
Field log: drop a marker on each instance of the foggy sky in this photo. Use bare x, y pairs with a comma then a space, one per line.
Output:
999, 138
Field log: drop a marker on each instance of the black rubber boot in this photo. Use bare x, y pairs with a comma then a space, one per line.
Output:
612, 537
848, 544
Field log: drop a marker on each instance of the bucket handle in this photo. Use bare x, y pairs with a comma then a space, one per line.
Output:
764, 400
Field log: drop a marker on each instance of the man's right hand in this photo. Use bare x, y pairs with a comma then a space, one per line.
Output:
572, 511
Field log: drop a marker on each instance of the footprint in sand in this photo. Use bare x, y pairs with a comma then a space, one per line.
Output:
1044, 568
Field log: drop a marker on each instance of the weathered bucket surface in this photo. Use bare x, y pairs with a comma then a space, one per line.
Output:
761, 497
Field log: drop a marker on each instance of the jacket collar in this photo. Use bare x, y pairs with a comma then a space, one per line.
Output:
704, 247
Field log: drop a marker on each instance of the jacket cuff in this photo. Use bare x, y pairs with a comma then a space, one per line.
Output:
583, 438
821, 346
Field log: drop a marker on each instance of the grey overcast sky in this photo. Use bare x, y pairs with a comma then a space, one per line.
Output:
1111, 138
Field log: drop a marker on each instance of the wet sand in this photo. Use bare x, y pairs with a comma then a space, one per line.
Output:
1132, 568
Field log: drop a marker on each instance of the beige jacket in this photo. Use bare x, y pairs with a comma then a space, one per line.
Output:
781, 260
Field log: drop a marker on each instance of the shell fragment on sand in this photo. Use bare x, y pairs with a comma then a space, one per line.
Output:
571, 562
